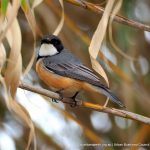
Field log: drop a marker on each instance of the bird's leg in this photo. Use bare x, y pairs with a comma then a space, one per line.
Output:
74, 104
54, 100
59, 92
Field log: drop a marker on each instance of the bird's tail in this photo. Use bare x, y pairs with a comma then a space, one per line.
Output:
101, 89
107, 92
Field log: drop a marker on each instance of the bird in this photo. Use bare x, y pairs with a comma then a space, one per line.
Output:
65, 74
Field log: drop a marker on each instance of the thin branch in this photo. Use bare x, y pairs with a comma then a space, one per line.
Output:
98, 9
113, 111
71, 24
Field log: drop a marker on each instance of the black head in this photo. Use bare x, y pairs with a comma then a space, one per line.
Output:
54, 40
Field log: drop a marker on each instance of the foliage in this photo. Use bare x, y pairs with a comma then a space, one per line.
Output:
118, 50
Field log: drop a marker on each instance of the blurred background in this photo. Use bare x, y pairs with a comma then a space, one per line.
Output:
59, 127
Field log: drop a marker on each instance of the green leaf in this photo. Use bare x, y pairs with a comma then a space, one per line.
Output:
24, 5
4, 4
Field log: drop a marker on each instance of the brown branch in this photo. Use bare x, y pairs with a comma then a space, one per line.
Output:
113, 111
120, 19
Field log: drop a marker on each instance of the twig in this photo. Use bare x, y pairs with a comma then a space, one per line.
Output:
113, 111
100, 10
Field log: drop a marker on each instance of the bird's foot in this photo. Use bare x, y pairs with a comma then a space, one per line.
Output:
54, 100
74, 101
61, 96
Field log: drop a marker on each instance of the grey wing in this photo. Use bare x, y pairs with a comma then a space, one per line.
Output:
80, 72
75, 71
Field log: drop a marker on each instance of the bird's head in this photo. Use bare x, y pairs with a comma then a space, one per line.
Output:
50, 45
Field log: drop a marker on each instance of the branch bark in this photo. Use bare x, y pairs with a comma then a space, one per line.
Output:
113, 111
98, 9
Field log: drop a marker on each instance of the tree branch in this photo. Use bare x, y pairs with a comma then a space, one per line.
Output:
113, 111
120, 19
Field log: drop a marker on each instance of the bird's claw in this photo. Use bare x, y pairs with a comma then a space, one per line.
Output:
61, 97
73, 104
54, 100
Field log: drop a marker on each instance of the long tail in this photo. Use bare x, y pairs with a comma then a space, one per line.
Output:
107, 92
103, 90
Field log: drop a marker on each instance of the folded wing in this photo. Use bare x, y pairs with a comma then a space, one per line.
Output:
80, 72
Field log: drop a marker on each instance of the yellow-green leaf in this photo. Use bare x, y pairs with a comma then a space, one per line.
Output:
24, 5
4, 4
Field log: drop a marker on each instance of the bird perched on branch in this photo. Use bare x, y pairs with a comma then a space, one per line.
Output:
64, 73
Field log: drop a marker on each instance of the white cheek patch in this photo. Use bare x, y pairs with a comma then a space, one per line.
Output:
47, 50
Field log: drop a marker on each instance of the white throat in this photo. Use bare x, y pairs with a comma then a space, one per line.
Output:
47, 50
